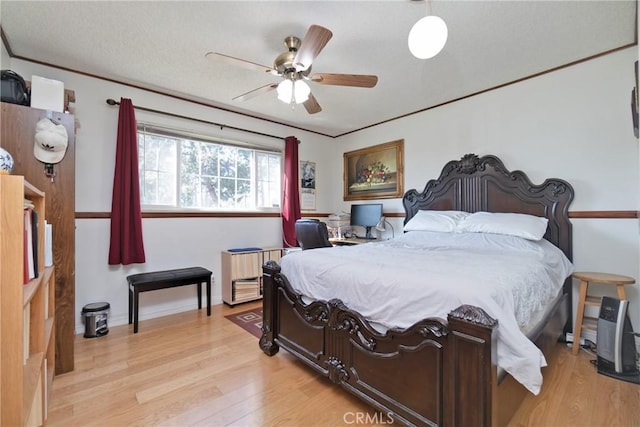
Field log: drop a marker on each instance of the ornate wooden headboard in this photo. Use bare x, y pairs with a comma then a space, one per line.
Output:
475, 183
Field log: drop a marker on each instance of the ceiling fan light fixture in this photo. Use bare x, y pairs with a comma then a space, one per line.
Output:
290, 91
294, 67
427, 37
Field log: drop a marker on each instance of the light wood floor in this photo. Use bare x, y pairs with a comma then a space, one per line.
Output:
192, 370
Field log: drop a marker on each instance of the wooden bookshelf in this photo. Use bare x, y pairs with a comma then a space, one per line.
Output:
27, 312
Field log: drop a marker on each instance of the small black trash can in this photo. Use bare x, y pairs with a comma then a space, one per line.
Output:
95, 319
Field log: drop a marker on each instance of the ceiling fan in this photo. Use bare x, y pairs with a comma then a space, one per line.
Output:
294, 66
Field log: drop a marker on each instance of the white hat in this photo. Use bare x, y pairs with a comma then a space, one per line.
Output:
50, 142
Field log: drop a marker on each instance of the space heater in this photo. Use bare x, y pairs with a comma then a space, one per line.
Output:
615, 345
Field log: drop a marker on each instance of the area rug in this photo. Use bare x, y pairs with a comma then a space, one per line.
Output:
249, 320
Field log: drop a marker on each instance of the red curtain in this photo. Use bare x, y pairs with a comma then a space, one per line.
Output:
291, 195
126, 245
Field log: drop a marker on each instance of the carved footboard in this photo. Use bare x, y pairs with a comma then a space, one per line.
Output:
435, 373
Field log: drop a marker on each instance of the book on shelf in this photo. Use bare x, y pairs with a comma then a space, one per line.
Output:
30, 244
25, 248
34, 240
28, 247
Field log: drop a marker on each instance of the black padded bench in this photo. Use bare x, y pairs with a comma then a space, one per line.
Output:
150, 281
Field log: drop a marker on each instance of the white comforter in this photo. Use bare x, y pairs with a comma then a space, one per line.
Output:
427, 274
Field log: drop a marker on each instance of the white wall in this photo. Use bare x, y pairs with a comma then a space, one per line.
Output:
573, 124
5, 60
169, 243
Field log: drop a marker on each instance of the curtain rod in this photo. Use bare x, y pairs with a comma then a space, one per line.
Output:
114, 102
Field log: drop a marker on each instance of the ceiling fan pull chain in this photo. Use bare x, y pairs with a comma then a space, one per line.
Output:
293, 93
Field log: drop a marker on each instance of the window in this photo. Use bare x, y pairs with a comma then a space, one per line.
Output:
180, 171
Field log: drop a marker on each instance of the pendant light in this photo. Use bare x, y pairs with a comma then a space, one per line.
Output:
428, 36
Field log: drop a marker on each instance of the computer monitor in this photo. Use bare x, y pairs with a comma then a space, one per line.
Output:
367, 216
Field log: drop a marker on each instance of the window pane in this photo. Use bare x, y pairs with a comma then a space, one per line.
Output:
141, 158
166, 190
262, 163
268, 180
189, 161
274, 195
209, 193
158, 183
167, 151
228, 162
244, 163
152, 153
149, 188
227, 192
243, 194
209, 159
189, 190
275, 169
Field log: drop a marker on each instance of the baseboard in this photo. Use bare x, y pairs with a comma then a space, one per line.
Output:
123, 319
585, 335
592, 336
569, 338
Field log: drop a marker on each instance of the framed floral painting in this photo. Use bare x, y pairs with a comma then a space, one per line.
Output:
374, 172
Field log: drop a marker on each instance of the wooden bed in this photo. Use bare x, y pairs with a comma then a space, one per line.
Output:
437, 372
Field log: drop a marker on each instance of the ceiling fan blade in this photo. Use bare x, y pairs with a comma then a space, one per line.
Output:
241, 63
312, 43
311, 105
358, 80
255, 92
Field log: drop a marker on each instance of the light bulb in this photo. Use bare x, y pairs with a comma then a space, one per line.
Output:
284, 91
300, 90
427, 37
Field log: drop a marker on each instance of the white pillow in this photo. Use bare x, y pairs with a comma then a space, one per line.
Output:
443, 221
520, 225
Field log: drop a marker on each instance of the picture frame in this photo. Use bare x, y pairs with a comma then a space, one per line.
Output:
307, 185
375, 172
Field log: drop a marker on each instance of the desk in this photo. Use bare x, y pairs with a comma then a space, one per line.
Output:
350, 241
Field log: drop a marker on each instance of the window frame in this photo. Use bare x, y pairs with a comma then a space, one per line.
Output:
183, 135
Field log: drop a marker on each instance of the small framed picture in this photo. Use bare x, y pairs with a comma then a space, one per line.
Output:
307, 185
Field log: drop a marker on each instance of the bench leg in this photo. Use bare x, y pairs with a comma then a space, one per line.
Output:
135, 311
199, 286
208, 297
130, 305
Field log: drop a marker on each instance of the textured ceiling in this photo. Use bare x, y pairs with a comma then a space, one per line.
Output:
161, 46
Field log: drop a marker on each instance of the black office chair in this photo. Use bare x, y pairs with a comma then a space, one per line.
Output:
312, 233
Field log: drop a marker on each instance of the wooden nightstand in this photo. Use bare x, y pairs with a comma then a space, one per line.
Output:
585, 278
